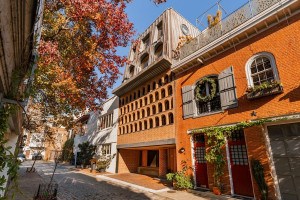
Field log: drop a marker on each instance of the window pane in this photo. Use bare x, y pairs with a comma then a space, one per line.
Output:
262, 77
270, 75
253, 69
260, 67
255, 79
267, 63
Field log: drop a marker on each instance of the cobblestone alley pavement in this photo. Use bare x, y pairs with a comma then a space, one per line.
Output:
74, 185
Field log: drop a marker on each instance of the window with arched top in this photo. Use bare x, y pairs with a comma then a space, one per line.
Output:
131, 128
140, 126
166, 79
136, 105
139, 94
145, 60
135, 127
163, 93
131, 70
128, 108
154, 85
159, 107
131, 106
151, 98
158, 50
145, 125
127, 129
153, 110
167, 105
156, 96
138, 114
141, 103
159, 82
156, 121
125, 119
148, 112
150, 123
145, 101
163, 120
143, 113
148, 88
171, 118
170, 90
123, 130
261, 69
129, 117
133, 116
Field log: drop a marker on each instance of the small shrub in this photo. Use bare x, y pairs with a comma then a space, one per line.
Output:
180, 179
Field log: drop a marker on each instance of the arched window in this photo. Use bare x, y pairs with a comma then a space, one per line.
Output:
138, 114
141, 103
145, 101
135, 127
153, 110
150, 123
171, 118
120, 131
156, 121
148, 111
159, 83
170, 90
131, 71
145, 124
123, 130
166, 79
140, 126
127, 129
159, 107
143, 113
167, 105
145, 61
134, 96
154, 85
136, 105
129, 117
131, 106
151, 98
133, 116
130, 98
125, 119
128, 108
131, 128
144, 90
261, 69
163, 120
148, 88
156, 96
139, 94
163, 93
158, 50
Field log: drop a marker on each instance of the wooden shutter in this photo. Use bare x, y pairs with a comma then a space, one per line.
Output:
227, 89
187, 101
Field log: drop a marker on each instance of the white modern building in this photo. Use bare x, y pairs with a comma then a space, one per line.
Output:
100, 129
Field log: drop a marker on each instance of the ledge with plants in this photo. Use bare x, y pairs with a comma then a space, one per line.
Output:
264, 89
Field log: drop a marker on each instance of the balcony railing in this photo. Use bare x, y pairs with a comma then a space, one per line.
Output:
235, 19
211, 106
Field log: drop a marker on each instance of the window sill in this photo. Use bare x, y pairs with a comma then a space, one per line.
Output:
264, 92
209, 113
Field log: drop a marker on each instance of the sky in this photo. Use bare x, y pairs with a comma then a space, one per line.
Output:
144, 12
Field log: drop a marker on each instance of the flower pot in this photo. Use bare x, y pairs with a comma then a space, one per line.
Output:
216, 191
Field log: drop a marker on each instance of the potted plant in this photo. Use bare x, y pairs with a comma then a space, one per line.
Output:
180, 179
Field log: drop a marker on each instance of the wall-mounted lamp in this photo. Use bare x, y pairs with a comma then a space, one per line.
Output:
181, 150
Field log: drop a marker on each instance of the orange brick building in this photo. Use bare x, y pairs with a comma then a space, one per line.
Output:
257, 47
146, 135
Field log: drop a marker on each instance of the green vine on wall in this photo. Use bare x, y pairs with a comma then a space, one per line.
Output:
7, 158
216, 144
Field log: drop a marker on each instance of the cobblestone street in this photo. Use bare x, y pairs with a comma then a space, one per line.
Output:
74, 185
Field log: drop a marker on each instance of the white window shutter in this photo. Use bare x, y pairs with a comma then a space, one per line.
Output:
187, 101
227, 89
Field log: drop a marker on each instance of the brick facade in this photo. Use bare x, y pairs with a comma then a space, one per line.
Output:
282, 42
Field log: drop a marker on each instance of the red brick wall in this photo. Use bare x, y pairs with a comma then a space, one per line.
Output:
128, 161
255, 141
283, 42
162, 171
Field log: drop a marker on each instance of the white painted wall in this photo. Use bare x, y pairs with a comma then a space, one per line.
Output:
105, 136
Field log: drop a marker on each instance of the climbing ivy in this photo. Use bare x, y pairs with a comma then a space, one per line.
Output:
7, 157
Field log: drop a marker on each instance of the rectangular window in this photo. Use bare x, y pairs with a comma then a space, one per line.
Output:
106, 149
106, 121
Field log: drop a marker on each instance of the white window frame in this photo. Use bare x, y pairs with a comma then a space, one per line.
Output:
250, 61
104, 150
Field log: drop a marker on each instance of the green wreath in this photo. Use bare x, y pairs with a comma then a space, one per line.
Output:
198, 96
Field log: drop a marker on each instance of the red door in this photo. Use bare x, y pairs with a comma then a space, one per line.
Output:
239, 164
200, 162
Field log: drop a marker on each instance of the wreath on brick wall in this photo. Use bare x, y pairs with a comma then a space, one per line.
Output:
197, 91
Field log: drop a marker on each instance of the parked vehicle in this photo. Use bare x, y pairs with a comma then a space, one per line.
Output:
21, 157
37, 156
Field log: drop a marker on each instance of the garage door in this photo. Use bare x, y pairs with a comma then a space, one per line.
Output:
285, 144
